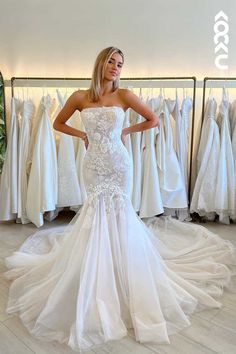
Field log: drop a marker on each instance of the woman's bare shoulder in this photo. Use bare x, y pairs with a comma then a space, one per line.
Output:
124, 91
126, 95
80, 97
81, 93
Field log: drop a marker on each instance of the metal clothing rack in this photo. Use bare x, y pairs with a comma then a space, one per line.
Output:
162, 81
226, 79
146, 81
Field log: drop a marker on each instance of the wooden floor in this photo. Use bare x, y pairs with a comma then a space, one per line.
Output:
211, 331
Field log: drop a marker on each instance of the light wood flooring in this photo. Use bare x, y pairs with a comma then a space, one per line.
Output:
211, 331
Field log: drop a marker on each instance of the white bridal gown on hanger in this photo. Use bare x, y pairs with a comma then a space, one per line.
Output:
28, 110
136, 139
233, 134
79, 164
42, 186
128, 143
151, 202
172, 185
203, 199
105, 272
186, 107
68, 185
8, 185
181, 115
225, 182
232, 117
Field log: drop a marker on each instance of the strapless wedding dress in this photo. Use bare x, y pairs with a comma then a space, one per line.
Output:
108, 271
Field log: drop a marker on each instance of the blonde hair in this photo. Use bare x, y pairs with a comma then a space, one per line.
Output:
99, 70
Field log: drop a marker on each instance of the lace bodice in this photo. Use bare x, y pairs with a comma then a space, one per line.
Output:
103, 125
107, 165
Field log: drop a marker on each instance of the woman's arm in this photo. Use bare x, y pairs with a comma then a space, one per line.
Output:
69, 108
134, 102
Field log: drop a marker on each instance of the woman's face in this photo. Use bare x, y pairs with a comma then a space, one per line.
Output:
113, 68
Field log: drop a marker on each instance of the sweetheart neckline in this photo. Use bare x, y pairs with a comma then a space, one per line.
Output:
102, 107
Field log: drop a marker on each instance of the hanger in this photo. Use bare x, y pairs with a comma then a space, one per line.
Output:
141, 93
225, 93
161, 91
27, 88
152, 92
164, 94
23, 93
176, 93
66, 88
210, 93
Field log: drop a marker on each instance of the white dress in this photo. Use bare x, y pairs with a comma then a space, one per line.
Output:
186, 107
137, 162
176, 113
128, 143
233, 138
209, 112
172, 186
8, 184
234, 156
232, 117
43, 181
225, 183
104, 273
151, 202
203, 198
180, 114
28, 110
79, 164
68, 185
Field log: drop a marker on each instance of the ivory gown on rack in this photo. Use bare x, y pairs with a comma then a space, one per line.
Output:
8, 181
43, 178
69, 193
203, 198
107, 271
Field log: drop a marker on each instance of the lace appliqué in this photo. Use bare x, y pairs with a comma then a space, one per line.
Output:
106, 163
113, 198
111, 193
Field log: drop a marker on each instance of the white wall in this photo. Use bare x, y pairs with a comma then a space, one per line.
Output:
62, 38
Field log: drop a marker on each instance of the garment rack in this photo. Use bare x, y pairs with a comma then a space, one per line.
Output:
130, 80
174, 81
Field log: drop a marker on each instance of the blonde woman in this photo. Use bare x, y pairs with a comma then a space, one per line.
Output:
104, 273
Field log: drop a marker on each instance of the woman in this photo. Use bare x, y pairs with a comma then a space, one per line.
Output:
107, 271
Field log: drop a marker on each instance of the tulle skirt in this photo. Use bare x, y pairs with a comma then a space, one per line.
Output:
108, 271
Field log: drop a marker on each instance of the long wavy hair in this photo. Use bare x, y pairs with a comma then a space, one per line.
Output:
99, 70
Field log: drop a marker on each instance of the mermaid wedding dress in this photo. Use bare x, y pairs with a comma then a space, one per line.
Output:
108, 271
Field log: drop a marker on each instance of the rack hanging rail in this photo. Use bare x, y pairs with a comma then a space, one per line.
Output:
167, 81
